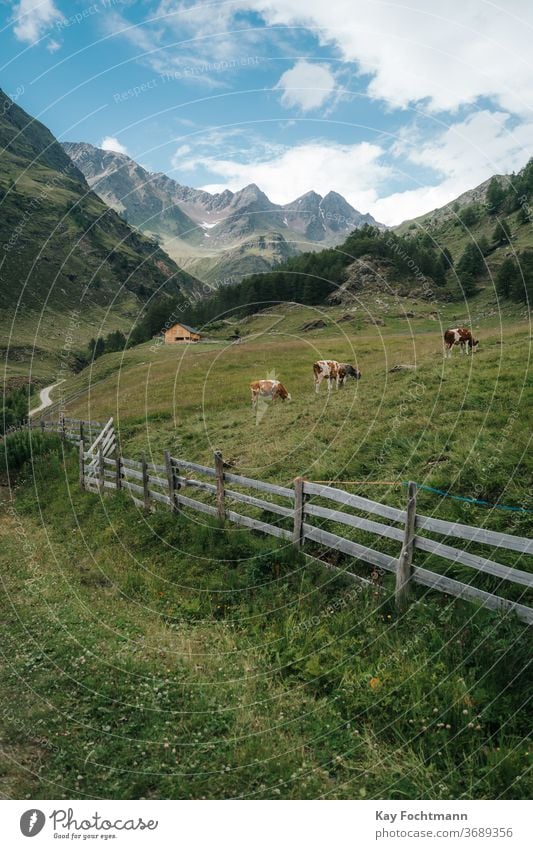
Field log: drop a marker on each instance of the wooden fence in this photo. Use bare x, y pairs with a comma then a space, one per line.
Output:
103, 468
71, 430
298, 508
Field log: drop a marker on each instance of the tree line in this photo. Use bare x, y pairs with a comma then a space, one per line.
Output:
311, 277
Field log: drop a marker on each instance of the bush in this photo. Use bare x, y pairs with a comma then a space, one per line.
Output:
17, 448
15, 407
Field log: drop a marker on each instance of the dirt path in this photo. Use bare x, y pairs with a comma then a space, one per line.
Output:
44, 398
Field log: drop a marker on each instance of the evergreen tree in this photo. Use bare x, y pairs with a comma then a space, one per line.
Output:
96, 347
447, 257
522, 284
483, 246
471, 262
502, 233
469, 215
508, 278
495, 196
468, 283
115, 341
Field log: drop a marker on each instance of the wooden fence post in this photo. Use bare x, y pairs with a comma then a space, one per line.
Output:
173, 484
146, 491
219, 469
42, 425
118, 468
81, 431
82, 463
404, 568
62, 428
297, 536
101, 469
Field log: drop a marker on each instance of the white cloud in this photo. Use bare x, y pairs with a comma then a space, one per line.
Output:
53, 46
33, 18
205, 47
483, 141
443, 56
112, 143
450, 54
353, 170
306, 86
464, 155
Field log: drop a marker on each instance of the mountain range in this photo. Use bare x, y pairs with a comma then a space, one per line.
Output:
218, 237
72, 243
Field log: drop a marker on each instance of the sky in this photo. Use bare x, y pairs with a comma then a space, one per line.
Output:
398, 106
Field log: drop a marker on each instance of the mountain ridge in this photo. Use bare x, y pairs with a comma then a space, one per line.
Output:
199, 228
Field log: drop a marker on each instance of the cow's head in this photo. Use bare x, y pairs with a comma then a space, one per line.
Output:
351, 371
473, 345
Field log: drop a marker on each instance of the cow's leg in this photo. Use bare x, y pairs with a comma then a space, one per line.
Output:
318, 380
330, 381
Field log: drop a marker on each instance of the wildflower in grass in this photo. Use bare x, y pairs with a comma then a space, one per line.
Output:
375, 683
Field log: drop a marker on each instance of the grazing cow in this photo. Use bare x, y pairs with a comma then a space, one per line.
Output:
268, 389
459, 336
331, 370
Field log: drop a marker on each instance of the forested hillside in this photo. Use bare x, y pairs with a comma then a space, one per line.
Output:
489, 239
486, 242
312, 277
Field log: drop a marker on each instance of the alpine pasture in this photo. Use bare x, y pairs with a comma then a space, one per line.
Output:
173, 658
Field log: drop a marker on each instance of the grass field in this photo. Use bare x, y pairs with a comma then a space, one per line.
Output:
170, 658
460, 424
163, 658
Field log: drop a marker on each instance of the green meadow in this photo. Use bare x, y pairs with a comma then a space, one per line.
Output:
169, 657
164, 657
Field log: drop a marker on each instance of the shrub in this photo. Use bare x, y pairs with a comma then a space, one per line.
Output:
17, 448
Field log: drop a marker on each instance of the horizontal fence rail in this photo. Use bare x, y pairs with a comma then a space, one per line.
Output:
302, 513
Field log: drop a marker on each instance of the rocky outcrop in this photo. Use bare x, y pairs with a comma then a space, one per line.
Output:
372, 274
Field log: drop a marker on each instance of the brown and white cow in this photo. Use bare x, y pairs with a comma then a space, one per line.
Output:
268, 389
459, 336
331, 370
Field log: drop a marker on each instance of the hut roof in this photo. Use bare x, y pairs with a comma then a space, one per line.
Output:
186, 326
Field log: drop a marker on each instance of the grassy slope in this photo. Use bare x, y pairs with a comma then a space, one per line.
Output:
212, 664
459, 425
57, 238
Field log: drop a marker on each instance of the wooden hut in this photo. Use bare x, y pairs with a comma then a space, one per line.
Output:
181, 333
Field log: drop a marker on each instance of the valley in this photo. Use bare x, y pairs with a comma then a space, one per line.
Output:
152, 655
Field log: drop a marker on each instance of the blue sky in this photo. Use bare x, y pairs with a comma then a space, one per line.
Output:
398, 106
